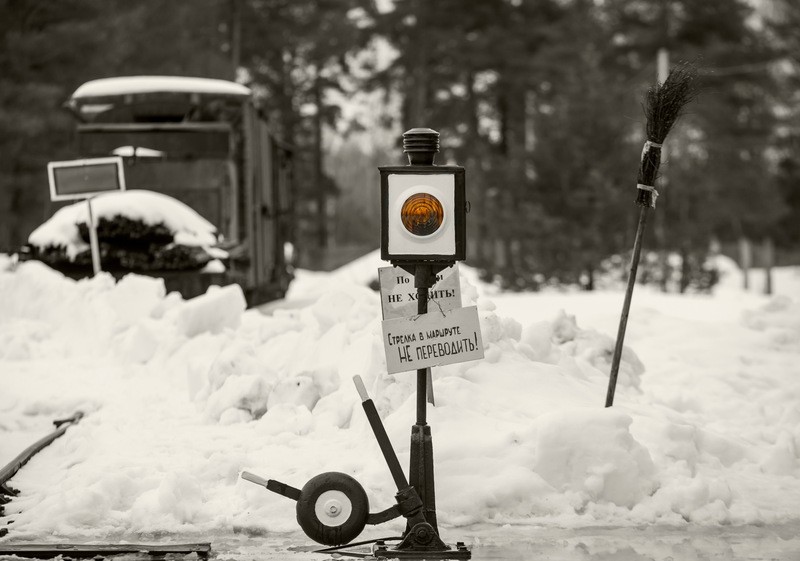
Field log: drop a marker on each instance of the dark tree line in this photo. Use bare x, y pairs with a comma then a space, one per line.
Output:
539, 99
543, 98
47, 49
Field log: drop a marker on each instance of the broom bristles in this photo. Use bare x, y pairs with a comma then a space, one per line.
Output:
663, 105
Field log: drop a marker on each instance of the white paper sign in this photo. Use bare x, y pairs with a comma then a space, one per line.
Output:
432, 339
399, 297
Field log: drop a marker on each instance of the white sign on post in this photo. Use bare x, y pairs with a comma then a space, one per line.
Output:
399, 296
432, 339
83, 179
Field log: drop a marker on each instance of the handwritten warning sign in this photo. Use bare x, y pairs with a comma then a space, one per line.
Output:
432, 339
399, 297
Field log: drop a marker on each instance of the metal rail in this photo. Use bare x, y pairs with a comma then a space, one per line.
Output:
10, 469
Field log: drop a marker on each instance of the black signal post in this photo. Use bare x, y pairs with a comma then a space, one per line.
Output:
423, 254
423, 231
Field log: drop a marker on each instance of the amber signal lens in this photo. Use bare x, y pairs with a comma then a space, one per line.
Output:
422, 214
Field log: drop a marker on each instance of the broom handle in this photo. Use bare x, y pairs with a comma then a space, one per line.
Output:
626, 306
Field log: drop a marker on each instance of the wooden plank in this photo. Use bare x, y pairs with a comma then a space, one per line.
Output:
48, 550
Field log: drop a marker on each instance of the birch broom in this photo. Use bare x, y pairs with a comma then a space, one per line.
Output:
663, 105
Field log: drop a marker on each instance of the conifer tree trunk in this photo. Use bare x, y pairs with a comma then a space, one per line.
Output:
236, 36
685, 269
319, 182
477, 150
589, 287
745, 260
418, 95
769, 262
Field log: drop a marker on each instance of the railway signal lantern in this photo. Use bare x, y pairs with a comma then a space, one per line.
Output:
423, 206
423, 231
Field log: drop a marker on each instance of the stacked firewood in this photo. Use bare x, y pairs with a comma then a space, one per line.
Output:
128, 244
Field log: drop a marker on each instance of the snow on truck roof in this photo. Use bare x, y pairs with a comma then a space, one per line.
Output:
125, 85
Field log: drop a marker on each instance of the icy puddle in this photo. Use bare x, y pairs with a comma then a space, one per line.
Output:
652, 544
744, 543
749, 543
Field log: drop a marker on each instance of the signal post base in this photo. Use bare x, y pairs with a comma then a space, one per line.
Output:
421, 474
460, 551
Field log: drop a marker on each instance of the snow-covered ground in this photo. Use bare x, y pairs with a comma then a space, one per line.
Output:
181, 396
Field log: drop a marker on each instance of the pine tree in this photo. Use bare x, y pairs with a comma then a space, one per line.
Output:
295, 53
719, 180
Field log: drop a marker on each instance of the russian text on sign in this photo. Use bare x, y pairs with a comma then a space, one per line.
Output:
399, 297
432, 339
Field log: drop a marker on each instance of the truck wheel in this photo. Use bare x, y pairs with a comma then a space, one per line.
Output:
332, 508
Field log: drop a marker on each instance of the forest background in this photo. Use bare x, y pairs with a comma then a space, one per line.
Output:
540, 100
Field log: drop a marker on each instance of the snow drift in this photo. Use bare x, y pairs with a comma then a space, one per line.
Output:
183, 395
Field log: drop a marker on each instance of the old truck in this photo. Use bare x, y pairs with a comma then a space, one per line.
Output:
206, 143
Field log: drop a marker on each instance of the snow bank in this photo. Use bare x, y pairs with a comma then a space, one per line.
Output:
364, 272
7, 262
609, 465
183, 395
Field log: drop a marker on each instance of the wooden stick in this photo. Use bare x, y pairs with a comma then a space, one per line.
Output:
93, 242
626, 306
663, 105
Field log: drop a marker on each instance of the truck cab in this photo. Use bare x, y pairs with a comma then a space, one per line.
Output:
204, 142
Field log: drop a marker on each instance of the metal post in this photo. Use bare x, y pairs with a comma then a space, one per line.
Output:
421, 469
95, 245
422, 373
421, 539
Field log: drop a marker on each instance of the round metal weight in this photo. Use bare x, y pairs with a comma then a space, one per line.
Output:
332, 508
